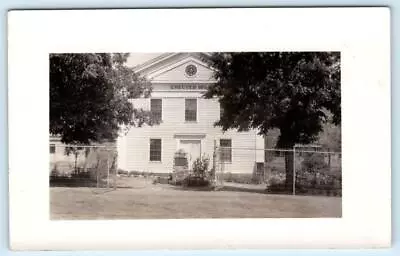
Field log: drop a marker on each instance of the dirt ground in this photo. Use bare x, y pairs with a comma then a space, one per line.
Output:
140, 199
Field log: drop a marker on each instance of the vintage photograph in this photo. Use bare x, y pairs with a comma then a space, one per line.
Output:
182, 135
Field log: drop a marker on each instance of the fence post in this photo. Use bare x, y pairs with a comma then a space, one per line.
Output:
266, 156
115, 169
97, 171
108, 172
221, 162
215, 162
329, 159
294, 170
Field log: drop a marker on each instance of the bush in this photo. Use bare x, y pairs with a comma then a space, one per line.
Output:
314, 178
276, 188
195, 181
200, 166
242, 178
313, 162
122, 172
200, 177
228, 177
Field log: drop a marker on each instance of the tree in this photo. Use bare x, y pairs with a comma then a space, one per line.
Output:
90, 97
331, 137
288, 91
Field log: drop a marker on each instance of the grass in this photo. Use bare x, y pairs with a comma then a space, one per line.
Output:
142, 200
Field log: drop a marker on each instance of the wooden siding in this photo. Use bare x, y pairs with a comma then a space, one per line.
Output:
134, 147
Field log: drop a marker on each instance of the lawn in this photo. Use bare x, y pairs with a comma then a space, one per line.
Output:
164, 201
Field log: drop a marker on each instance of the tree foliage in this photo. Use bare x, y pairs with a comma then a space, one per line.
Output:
90, 97
290, 91
331, 137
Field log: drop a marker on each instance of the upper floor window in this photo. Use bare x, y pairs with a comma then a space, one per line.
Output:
156, 109
190, 109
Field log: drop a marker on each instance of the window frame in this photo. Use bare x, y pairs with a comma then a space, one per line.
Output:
161, 108
150, 151
196, 117
52, 148
223, 152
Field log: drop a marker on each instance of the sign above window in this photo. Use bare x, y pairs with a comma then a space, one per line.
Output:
189, 86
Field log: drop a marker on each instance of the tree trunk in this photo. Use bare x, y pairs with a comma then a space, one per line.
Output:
289, 160
329, 159
76, 160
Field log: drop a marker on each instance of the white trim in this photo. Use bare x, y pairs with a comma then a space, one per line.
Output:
170, 66
139, 68
190, 136
161, 149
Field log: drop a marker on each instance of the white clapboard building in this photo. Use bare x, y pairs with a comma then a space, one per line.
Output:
187, 120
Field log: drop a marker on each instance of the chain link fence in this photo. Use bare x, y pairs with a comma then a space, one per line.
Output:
83, 166
302, 170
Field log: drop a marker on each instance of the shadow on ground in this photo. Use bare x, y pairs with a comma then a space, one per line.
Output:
70, 182
79, 183
258, 190
231, 188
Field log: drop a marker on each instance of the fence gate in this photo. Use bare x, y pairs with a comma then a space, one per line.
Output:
94, 167
218, 167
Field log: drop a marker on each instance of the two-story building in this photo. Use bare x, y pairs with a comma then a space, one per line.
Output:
187, 120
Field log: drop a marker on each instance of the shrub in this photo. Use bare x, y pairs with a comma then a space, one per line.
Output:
122, 172
229, 177
195, 181
200, 166
276, 188
314, 162
200, 177
316, 176
257, 179
242, 178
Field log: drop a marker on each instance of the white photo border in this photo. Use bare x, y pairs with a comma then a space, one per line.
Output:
361, 34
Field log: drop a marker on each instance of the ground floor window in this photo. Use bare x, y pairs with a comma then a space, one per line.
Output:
52, 148
226, 150
155, 150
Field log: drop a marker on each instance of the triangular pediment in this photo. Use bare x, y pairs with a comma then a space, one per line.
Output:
178, 68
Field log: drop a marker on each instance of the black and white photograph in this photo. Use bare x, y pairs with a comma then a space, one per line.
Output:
199, 128
195, 135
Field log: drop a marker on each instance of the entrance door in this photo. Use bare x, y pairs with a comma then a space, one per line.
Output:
192, 148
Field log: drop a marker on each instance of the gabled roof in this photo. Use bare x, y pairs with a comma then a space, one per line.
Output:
166, 59
152, 61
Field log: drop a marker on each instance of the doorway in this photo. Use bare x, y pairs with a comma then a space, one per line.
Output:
193, 150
